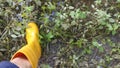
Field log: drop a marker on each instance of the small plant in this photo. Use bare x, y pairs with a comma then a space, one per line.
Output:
65, 24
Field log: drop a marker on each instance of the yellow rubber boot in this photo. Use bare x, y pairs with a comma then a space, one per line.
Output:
32, 49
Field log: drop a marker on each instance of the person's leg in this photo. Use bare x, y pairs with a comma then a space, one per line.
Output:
28, 56
31, 52
21, 62
7, 64
18, 62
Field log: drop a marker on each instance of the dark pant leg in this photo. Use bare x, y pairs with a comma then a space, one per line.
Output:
7, 64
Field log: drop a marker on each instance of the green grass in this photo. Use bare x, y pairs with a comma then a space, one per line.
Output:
75, 35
